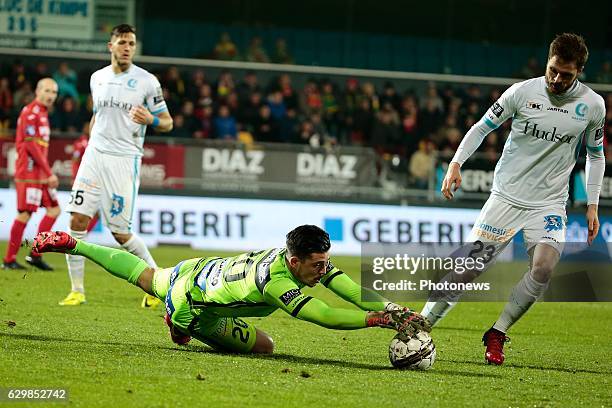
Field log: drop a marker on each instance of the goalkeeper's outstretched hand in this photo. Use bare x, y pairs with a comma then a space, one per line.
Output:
403, 321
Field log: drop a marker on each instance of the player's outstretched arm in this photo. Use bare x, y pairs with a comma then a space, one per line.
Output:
342, 285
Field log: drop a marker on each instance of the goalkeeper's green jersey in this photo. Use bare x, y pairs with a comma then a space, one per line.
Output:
254, 284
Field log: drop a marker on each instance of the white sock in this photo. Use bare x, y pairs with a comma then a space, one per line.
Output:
434, 311
524, 294
136, 246
76, 266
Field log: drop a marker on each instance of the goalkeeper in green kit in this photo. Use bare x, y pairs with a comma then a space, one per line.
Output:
206, 297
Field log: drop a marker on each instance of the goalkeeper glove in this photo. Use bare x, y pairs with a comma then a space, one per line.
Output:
404, 321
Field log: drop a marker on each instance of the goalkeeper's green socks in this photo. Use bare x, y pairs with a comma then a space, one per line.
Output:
120, 263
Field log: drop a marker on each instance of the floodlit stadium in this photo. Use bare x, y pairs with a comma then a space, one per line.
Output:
338, 203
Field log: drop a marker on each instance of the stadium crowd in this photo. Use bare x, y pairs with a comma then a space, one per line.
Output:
323, 112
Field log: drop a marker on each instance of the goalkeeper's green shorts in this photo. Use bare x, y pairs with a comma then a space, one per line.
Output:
222, 333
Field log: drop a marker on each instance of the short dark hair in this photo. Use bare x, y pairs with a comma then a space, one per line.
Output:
307, 239
122, 29
569, 47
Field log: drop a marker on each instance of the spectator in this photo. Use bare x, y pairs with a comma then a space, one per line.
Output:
6, 103
18, 75
204, 100
66, 117
289, 94
225, 85
432, 99
362, 123
289, 127
277, 105
256, 52
198, 78
249, 113
386, 133
225, 124
281, 53
23, 95
369, 92
179, 129
66, 80
310, 100
390, 96
430, 117
191, 122
172, 102
206, 124
247, 86
174, 83
225, 49
233, 103
421, 166
330, 108
265, 130
409, 123
41, 70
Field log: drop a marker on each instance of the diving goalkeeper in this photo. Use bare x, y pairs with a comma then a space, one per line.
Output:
206, 297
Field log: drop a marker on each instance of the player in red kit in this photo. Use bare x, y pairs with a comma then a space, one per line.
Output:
34, 181
78, 150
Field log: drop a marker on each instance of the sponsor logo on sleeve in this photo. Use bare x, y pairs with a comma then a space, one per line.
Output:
534, 105
289, 295
159, 96
599, 133
497, 109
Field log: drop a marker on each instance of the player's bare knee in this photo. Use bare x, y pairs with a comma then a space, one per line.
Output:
79, 222
121, 238
145, 280
24, 216
263, 344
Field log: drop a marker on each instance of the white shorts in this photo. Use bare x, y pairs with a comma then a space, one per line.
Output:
108, 183
499, 222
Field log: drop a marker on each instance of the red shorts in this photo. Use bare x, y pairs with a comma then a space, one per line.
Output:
31, 196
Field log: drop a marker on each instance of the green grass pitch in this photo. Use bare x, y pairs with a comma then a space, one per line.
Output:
112, 353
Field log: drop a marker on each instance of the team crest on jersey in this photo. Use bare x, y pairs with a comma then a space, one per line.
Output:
553, 223
117, 205
131, 83
580, 112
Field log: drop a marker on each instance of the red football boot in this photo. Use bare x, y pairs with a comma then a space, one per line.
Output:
57, 241
494, 340
174, 334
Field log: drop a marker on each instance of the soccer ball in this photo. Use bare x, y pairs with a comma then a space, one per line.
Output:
415, 352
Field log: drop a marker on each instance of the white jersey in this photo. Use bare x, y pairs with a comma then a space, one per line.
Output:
113, 96
544, 142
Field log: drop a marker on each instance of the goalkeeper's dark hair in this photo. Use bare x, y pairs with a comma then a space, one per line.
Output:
307, 239
569, 47
121, 29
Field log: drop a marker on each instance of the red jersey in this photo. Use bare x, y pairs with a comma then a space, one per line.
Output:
78, 149
32, 140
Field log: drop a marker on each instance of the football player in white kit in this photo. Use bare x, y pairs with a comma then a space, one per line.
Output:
551, 116
126, 99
